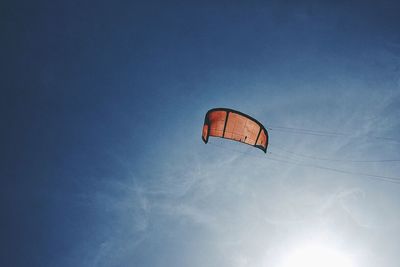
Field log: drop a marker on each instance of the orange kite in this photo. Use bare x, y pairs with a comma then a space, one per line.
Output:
234, 125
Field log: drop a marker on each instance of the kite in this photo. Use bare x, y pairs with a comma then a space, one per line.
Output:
234, 125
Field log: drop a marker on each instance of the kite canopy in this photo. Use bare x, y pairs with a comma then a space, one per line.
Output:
231, 124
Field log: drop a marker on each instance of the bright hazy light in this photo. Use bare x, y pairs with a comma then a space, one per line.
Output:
317, 256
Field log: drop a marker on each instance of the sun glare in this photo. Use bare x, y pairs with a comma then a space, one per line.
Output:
317, 256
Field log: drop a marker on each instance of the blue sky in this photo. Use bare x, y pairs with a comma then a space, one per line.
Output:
102, 108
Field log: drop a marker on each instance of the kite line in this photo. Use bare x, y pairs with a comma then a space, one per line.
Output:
390, 179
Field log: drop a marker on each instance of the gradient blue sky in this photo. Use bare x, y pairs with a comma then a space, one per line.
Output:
102, 105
